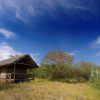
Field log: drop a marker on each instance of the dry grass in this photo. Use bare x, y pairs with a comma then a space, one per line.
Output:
47, 90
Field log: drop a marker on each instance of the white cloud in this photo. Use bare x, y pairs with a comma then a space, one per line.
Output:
96, 43
74, 53
96, 46
19, 17
6, 33
98, 54
25, 9
6, 51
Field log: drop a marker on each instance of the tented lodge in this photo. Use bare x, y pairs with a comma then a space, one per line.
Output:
15, 68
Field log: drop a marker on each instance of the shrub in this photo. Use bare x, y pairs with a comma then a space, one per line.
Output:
80, 72
60, 73
42, 72
95, 78
85, 69
53, 72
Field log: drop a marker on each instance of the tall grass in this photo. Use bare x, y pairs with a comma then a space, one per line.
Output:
4, 86
41, 89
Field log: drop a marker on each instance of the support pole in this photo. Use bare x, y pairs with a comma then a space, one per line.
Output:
14, 70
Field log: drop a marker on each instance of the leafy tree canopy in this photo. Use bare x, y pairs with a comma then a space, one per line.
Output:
57, 58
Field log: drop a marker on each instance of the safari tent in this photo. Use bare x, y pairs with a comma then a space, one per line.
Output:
15, 68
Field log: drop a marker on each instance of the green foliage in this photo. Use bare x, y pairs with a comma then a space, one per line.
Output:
30, 73
78, 73
42, 72
57, 65
52, 72
59, 73
84, 70
4, 86
95, 79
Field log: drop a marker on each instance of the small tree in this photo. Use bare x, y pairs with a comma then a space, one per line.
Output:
56, 64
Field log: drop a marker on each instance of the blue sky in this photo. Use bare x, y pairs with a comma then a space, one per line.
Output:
38, 26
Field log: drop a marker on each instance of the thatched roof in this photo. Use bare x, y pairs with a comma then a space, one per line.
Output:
24, 59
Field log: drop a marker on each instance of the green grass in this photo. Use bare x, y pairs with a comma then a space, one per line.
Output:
47, 90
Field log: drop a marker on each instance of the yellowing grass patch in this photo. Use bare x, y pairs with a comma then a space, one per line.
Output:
49, 90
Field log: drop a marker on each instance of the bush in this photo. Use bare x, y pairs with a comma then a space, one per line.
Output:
85, 69
53, 72
95, 78
42, 72
78, 73
60, 73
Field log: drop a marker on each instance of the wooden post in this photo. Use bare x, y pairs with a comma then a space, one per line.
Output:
14, 70
6, 73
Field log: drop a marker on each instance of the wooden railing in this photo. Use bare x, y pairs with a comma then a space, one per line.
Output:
18, 76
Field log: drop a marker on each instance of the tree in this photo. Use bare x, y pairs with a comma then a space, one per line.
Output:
57, 58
